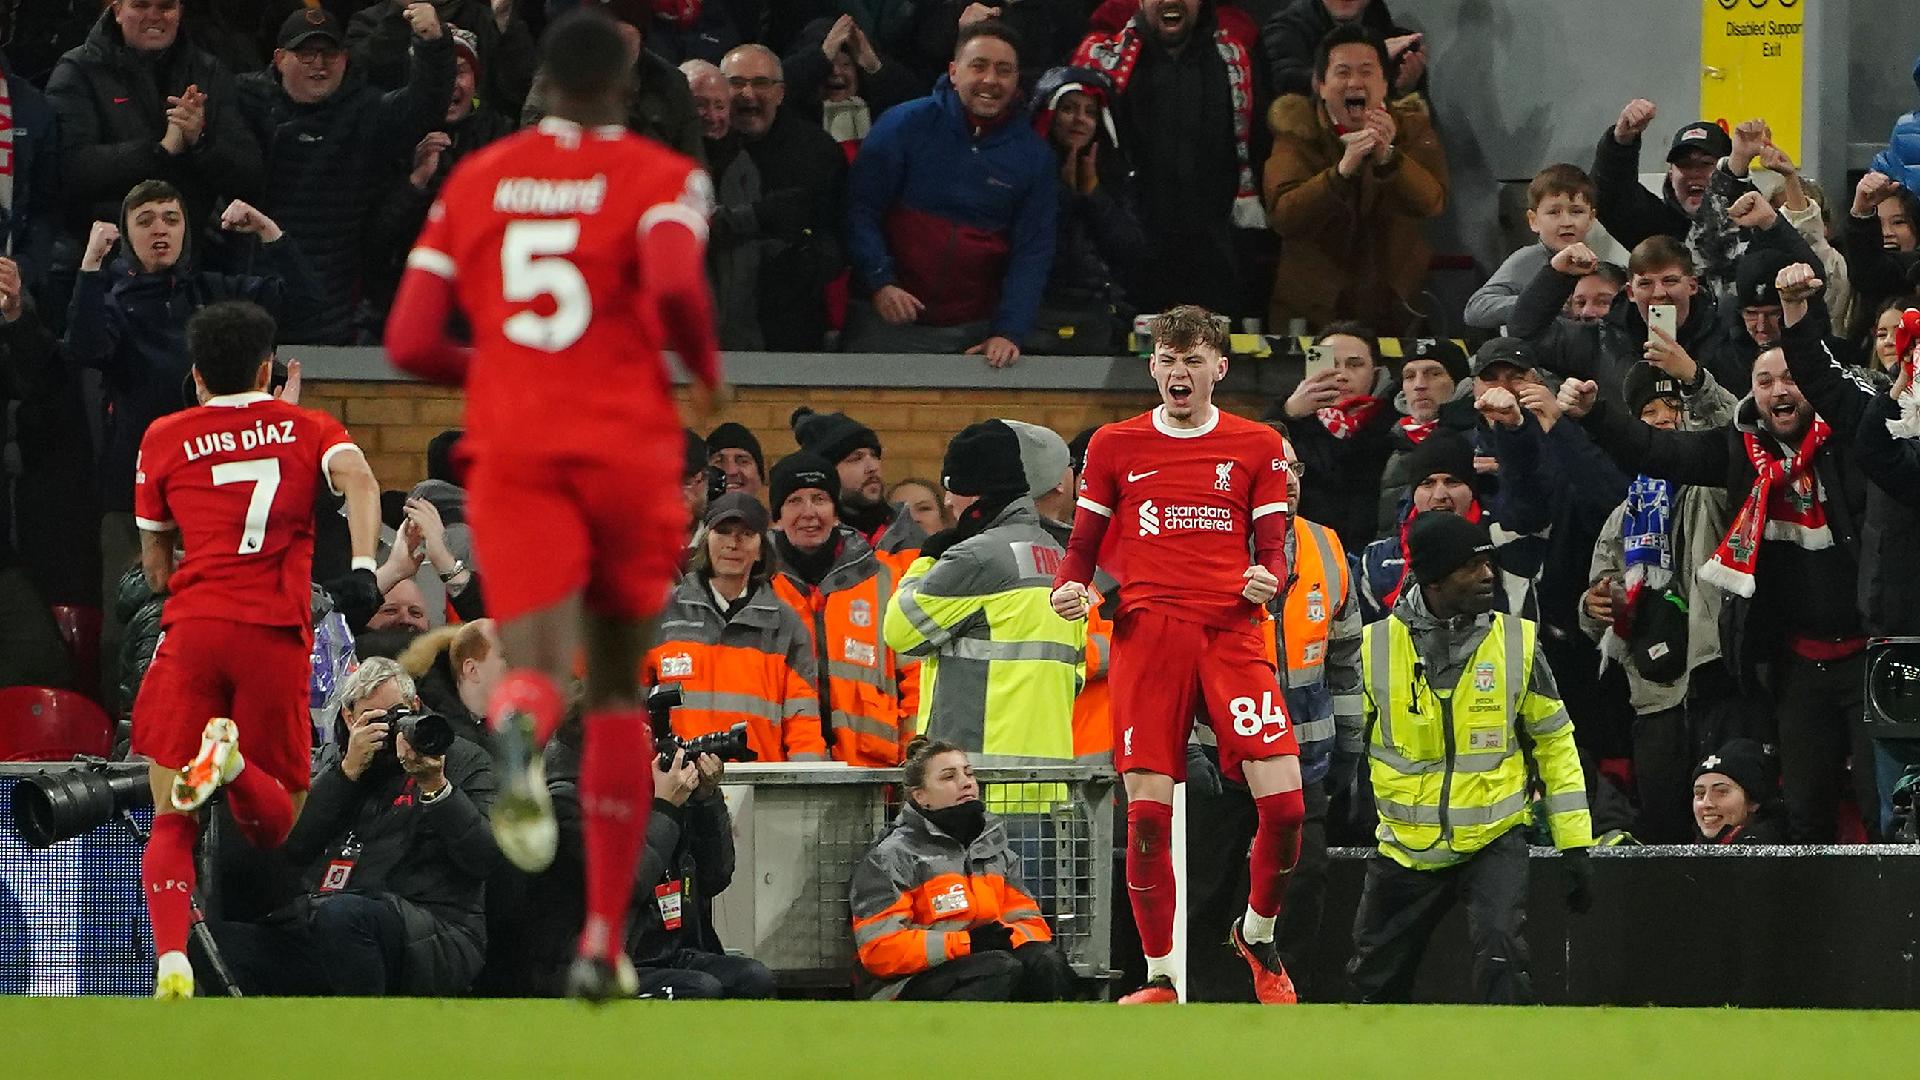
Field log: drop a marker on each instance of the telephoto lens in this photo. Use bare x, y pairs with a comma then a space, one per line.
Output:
428, 733
60, 804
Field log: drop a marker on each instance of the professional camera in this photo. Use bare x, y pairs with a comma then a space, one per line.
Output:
427, 732
60, 804
728, 745
716, 483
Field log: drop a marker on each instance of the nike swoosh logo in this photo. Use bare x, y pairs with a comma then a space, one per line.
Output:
1132, 476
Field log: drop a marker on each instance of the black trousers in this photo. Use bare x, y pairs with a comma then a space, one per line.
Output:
1821, 711
1399, 909
336, 944
703, 976
1033, 972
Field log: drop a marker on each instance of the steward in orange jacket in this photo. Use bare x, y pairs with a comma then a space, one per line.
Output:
838, 586
737, 652
939, 911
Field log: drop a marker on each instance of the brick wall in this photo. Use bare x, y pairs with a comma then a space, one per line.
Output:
392, 421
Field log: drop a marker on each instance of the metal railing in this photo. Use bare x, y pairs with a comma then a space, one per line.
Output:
802, 829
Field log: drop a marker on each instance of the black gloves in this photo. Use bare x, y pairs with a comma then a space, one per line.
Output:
356, 596
1203, 776
1579, 880
990, 937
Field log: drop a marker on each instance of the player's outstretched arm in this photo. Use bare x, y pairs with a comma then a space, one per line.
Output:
156, 556
417, 340
353, 478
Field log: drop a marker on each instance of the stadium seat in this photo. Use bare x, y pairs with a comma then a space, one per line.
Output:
43, 724
80, 627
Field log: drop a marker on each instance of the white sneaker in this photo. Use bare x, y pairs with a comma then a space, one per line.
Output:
217, 762
173, 978
523, 825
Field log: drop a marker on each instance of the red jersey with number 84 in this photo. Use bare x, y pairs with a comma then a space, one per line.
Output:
540, 234
238, 476
1181, 505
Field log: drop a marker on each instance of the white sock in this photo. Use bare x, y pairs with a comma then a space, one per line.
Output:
172, 962
1161, 965
1256, 927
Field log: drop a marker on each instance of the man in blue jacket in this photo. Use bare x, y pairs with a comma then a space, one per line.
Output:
952, 212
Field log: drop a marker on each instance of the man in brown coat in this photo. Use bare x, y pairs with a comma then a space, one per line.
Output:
1347, 185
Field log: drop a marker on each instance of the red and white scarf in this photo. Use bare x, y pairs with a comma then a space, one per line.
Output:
1416, 431
1117, 54
1905, 339
1344, 419
6, 160
1785, 503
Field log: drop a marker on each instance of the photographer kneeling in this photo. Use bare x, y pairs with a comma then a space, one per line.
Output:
938, 909
394, 848
689, 860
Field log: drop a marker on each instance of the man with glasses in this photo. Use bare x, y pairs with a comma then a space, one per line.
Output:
781, 185
327, 141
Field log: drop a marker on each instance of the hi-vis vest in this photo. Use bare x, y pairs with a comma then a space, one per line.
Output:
1318, 590
1450, 765
865, 711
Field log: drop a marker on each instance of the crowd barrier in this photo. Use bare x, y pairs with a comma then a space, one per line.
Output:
801, 829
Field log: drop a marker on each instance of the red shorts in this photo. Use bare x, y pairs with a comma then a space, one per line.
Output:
611, 531
1166, 672
256, 675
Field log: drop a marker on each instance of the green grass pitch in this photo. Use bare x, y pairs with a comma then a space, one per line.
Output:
551, 1040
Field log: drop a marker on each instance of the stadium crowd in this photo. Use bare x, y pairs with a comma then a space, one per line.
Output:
1687, 418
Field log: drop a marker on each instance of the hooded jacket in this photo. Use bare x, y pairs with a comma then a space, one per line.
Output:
999, 668
919, 890
131, 326
1699, 518
1754, 630
429, 861
963, 221
112, 105
754, 665
1351, 247
324, 170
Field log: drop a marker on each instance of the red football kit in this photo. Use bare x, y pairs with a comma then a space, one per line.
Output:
237, 477
576, 256
1186, 511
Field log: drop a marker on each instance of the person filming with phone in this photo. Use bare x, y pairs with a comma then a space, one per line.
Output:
1663, 316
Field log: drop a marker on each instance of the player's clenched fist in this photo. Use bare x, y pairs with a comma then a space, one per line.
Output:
1071, 601
1261, 586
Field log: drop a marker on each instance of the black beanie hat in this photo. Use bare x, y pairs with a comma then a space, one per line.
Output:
832, 435
1644, 383
797, 472
1440, 543
1743, 761
696, 455
1077, 449
1441, 452
1754, 274
732, 436
984, 459
1444, 352
443, 460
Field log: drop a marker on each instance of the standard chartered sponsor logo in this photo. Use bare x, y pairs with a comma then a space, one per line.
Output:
1155, 519
1149, 519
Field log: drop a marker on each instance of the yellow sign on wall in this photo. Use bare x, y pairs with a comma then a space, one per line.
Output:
1750, 65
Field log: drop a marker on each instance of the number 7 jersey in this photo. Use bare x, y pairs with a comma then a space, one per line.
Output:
238, 477
541, 234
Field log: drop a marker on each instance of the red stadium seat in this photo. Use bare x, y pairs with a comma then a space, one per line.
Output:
42, 724
80, 626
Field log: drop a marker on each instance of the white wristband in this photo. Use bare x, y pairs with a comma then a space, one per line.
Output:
365, 562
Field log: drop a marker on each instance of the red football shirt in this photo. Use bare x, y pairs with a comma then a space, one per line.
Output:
237, 476
540, 234
1182, 506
